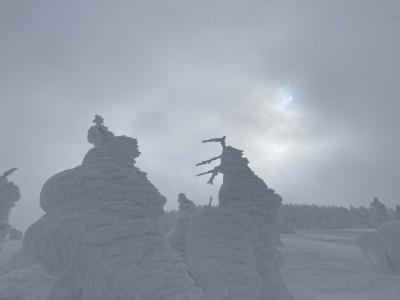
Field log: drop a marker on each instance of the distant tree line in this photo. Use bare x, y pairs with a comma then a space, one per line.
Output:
311, 216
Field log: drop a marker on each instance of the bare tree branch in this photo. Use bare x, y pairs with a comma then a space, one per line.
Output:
204, 162
217, 140
9, 172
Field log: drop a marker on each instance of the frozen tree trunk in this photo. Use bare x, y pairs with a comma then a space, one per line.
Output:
101, 235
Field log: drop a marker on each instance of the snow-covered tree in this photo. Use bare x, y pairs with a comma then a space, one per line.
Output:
306, 216
101, 236
9, 195
177, 237
380, 212
231, 248
397, 213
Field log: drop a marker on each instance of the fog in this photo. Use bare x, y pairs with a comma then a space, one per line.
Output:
307, 88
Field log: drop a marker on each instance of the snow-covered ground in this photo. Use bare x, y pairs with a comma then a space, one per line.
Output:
325, 265
320, 265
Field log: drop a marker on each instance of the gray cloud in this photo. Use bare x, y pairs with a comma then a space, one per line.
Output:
174, 73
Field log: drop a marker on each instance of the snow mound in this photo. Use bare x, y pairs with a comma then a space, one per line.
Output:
382, 247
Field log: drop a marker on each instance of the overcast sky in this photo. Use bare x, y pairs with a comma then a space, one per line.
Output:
308, 89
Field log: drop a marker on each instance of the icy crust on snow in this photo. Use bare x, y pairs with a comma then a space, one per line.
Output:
231, 249
9, 195
382, 247
101, 236
178, 234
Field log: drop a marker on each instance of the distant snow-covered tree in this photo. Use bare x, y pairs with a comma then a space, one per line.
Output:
311, 216
381, 213
397, 213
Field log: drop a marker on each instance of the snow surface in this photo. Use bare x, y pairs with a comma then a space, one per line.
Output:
326, 265
382, 247
320, 265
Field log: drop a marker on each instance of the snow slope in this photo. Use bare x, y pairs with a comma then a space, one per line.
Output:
325, 265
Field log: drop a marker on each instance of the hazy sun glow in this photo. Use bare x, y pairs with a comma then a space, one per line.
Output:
284, 98
283, 124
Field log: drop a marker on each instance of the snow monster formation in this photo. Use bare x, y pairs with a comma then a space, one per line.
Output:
9, 195
382, 247
101, 236
231, 248
177, 237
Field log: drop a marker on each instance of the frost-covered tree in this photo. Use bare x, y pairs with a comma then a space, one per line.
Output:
101, 236
177, 237
306, 216
231, 248
380, 212
9, 195
397, 213
168, 221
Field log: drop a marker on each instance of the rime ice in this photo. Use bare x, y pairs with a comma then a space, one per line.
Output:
9, 195
101, 235
177, 237
231, 249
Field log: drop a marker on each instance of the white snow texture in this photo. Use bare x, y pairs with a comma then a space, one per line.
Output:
9, 194
382, 247
231, 249
177, 237
101, 236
